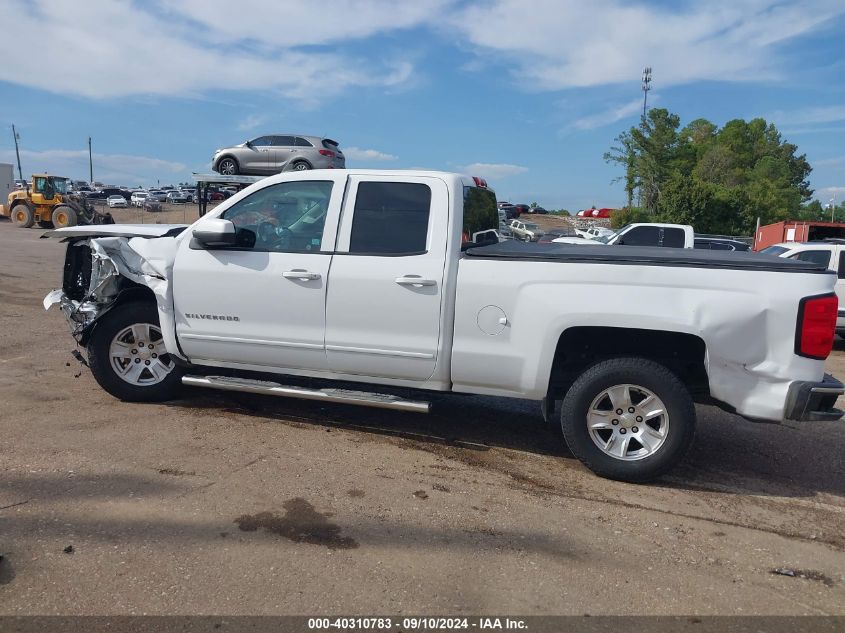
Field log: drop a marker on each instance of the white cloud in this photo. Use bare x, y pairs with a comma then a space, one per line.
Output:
368, 155
826, 193
814, 115
493, 170
557, 44
122, 169
104, 49
251, 122
829, 162
315, 22
606, 117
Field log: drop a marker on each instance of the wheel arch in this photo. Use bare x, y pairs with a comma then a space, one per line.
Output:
580, 347
301, 160
132, 293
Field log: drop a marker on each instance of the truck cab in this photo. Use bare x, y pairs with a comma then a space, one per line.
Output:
654, 234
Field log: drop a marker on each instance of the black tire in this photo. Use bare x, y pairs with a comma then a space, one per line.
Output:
300, 165
22, 216
228, 166
640, 372
112, 324
64, 216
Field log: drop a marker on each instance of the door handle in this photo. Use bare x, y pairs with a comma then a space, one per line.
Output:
298, 273
411, 280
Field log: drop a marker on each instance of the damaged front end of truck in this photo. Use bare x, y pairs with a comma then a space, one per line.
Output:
104, 271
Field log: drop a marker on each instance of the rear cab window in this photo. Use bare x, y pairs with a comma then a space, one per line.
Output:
390, 218
673, 238
816, 256
481, 217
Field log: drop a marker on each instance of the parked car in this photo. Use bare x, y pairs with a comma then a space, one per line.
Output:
151, 204
653, 234
522, 208
594, 232
106, 192
537, 210
575, 239
526, 231
827, 253
720, 244
511, 212
138, 197
115, 202
190, 194
176, 197
161, 196
276, 153
553, 234
625, 339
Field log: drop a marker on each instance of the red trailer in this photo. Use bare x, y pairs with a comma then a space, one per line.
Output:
796, 231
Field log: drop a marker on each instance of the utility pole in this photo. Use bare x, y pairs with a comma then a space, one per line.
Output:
646, 87
832, 207
17, 151
90, 165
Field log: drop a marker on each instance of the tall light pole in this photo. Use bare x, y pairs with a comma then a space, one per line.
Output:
90, 165
17, 151
646, 87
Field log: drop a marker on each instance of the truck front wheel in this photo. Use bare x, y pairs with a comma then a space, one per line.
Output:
629, 419
128, 358
23, 216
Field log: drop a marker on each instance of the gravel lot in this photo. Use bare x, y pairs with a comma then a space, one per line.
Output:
231, 505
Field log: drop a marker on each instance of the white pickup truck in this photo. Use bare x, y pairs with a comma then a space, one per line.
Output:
652, 234
370, 277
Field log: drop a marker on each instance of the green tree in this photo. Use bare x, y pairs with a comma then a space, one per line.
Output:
720, 180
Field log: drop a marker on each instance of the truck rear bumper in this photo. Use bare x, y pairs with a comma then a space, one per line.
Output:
814, 401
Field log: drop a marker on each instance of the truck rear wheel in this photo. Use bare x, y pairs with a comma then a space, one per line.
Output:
629, 419
128, 358
23, 216
64, 216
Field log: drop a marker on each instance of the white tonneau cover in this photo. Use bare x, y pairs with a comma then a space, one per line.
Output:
114, 230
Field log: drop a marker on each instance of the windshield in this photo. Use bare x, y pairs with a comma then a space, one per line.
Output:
60, 185
604, 239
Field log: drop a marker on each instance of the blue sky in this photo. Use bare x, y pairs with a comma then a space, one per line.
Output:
527, 93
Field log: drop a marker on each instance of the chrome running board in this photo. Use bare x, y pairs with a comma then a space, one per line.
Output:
343, 396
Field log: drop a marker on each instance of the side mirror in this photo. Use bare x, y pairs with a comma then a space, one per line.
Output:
248, 144
214, 232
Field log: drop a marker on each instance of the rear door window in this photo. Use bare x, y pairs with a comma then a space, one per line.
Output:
841, 270
390, 218
673, 238
817, 257
642, 236
301, 142
283, 141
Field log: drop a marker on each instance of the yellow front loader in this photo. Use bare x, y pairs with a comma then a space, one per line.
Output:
49, 203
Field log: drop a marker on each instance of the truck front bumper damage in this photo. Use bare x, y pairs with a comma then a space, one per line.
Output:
814, 401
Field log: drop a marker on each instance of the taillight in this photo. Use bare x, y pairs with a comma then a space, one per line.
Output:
327, 152
816, 326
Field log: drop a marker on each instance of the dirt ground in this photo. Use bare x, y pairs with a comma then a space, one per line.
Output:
232, 505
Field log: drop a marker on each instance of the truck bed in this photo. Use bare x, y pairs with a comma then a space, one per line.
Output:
644, 256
